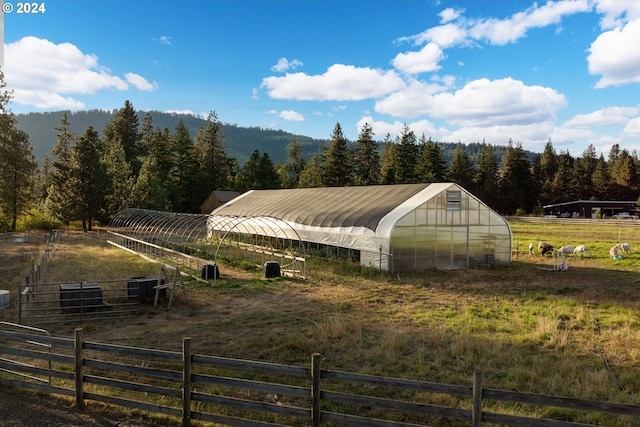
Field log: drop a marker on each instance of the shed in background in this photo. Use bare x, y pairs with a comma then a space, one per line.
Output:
217, 199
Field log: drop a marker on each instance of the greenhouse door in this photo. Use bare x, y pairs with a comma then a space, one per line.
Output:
452, 247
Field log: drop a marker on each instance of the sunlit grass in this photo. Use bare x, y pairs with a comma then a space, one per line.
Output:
526, 327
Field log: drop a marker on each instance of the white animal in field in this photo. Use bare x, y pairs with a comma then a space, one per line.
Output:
581, 250
613, 252
623, 247
566, 249
530, 248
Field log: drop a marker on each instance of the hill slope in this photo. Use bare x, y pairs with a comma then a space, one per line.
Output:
240, 141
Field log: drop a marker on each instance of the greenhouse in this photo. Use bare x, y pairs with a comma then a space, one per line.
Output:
390, 227
189, 242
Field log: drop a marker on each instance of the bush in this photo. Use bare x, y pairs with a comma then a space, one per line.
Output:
520, 212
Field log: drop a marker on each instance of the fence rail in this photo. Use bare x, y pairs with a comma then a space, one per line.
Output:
251, 393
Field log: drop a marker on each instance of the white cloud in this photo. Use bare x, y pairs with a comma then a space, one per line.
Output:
450, 14
603, 117
284, 64
46, 100
423, 61
140, 82
413, 100
615, 13
633, 127
163, 40
501, 32
532, 136
615, 56
292, 116
183, 112
480, 103
44, 74
339, 83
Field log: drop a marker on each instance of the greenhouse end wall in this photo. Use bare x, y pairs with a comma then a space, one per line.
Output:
453, 230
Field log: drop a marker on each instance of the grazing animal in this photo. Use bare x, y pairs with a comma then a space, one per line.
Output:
545, 248
530, 248
542, 245
613, 252
581, 250
623, 247
566, 249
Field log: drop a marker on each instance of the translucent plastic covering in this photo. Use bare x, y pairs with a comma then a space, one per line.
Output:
207, 235
393, 227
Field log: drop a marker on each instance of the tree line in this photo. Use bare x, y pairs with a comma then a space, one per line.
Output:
90, 177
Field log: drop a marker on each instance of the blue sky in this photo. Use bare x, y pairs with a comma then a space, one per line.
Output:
466, 71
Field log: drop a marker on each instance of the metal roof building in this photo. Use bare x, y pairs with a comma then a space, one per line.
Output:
591, 208
390, 227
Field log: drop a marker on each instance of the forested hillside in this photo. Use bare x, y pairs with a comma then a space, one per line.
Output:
92, 164
240, 141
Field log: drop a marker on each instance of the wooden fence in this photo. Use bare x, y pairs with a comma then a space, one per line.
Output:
235, 392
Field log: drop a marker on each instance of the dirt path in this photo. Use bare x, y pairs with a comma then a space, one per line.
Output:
23, 408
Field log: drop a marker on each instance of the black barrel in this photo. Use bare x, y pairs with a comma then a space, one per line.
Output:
271, 269
210, 271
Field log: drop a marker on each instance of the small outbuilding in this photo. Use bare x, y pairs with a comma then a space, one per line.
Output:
391, 227
217, 199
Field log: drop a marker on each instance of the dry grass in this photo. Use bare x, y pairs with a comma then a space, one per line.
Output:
527, 327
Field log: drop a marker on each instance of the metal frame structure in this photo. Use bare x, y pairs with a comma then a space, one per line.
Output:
200, 238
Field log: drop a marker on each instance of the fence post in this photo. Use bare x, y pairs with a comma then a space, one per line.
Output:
315, 389
186, 382
476, 413
78, 367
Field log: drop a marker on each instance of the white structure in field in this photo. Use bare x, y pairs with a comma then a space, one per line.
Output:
391, 227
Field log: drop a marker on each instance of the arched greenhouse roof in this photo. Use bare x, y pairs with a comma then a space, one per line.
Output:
363, 206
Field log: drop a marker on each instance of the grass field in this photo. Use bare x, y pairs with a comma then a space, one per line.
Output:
528, 328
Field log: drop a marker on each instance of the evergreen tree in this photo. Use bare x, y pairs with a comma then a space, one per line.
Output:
215, 164
17, 163
432, 166
119, 178
61, 190
124, 128
249, 176
184, 171
88, 175
337, 168
562, 187
624, 176
269, 178
295, 164
366, 158
585, 167
311, 176
601, 180
516, 183
154, 187
462, 170
146, 135
545, 172
407, 158
389, 161
486, 179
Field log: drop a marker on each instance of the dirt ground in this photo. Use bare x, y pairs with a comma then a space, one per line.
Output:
23, 408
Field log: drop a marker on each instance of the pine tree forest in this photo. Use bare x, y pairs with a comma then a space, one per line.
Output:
88, 178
